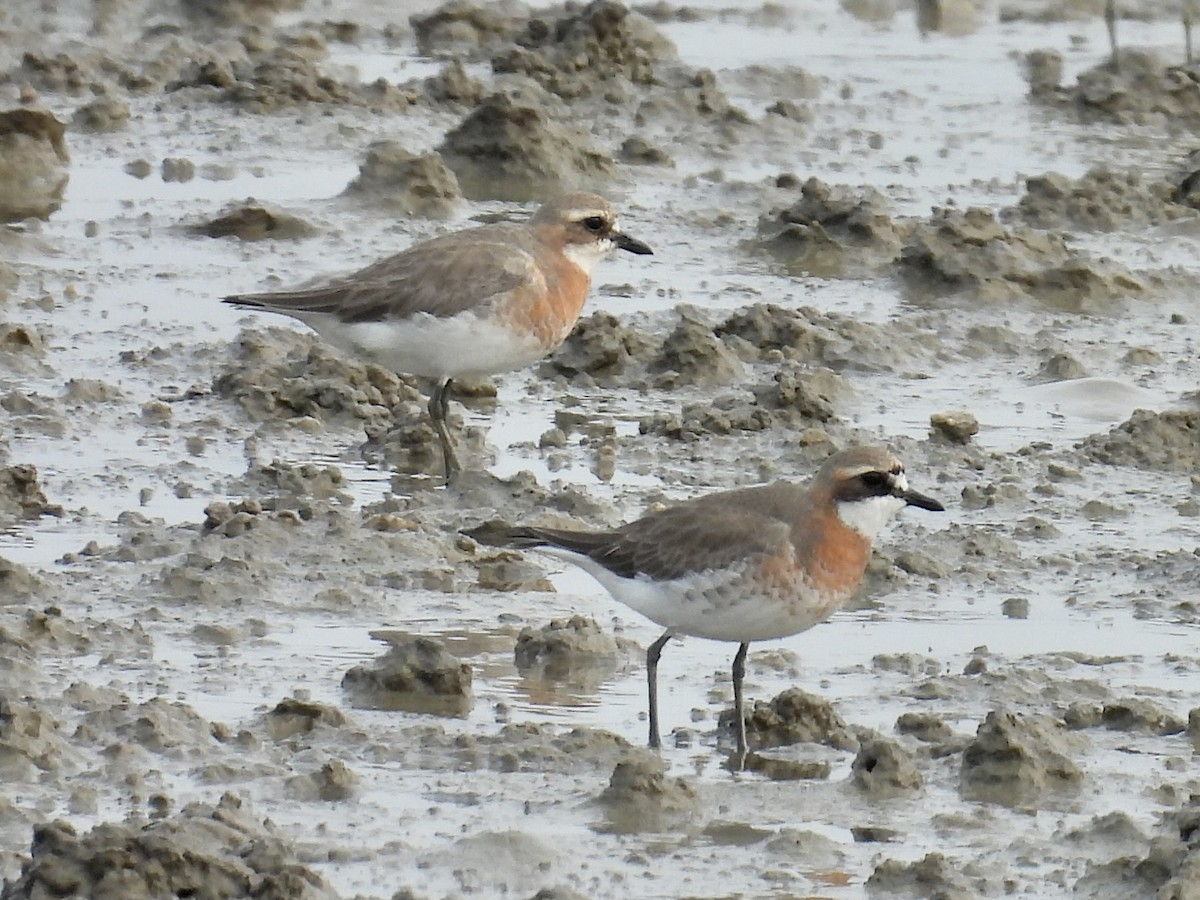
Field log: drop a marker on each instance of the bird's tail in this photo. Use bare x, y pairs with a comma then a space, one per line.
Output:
498, 533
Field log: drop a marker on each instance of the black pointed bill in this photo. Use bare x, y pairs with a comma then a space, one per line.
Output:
632, 244
912, 498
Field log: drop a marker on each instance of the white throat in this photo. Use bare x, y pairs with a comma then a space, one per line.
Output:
868, 516
585, 256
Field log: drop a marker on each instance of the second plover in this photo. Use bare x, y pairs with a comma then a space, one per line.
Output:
745, 565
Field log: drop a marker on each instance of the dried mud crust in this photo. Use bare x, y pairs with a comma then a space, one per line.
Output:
1169, 440
1103, 199
784, 367
1144, 89
219, 851
21, 496
34, 164
575, 650
416, 674
971, 255
110, 653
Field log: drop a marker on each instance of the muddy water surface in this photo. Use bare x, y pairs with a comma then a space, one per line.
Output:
1006, 707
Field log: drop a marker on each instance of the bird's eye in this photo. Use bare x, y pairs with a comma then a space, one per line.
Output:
874, 479
594, 223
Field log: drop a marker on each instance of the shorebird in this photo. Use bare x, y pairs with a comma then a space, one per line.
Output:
745, 565
475, 302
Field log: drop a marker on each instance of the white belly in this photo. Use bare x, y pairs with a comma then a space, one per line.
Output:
462, 345
720, 606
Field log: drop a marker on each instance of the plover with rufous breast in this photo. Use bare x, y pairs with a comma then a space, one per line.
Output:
744, 565
476, 302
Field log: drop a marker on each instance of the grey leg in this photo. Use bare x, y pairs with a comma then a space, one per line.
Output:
1187, 29
739, 673
439, 407
1110, 19
653, 652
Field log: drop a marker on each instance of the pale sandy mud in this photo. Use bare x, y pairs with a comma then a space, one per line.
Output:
248, 652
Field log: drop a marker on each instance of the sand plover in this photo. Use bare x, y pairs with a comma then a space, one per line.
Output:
475, 302
744, 565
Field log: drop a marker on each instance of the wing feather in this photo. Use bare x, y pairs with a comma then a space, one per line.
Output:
670, 544
441, 277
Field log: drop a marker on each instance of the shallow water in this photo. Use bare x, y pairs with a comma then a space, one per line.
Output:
956, 126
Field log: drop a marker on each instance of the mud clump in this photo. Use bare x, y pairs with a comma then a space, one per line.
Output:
804, 394
925, 727
695, 421
251, 222
1043, 71
280, 375
274, 76
293, 716
33, 164
640, 797
333, 782
793, 399
204, 851
693, 355
282, 485
231, 13
102, 116
1132, 715
970, 253
792, 717
589, 51
528, 747
453, 86
884, 769
566, 649
766, 332
231, 519
467, 28
954, 426
637, 151
603, 348
17, 583
833, 232
1103, 199
1167, 441
697, 97
21, 497
1061, 366
22, 349
932, 876
1186, 181
806, 348
415, 675
513, 148
1164, 864
1017, 760
1143, 90
405, 183
508, 571
32, 742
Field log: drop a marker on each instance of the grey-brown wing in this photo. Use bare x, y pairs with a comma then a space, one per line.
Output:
676, 542
442, 277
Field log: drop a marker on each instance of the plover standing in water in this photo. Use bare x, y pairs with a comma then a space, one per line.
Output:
745, 565
475, 302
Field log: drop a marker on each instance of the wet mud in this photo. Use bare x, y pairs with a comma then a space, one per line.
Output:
248, 649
